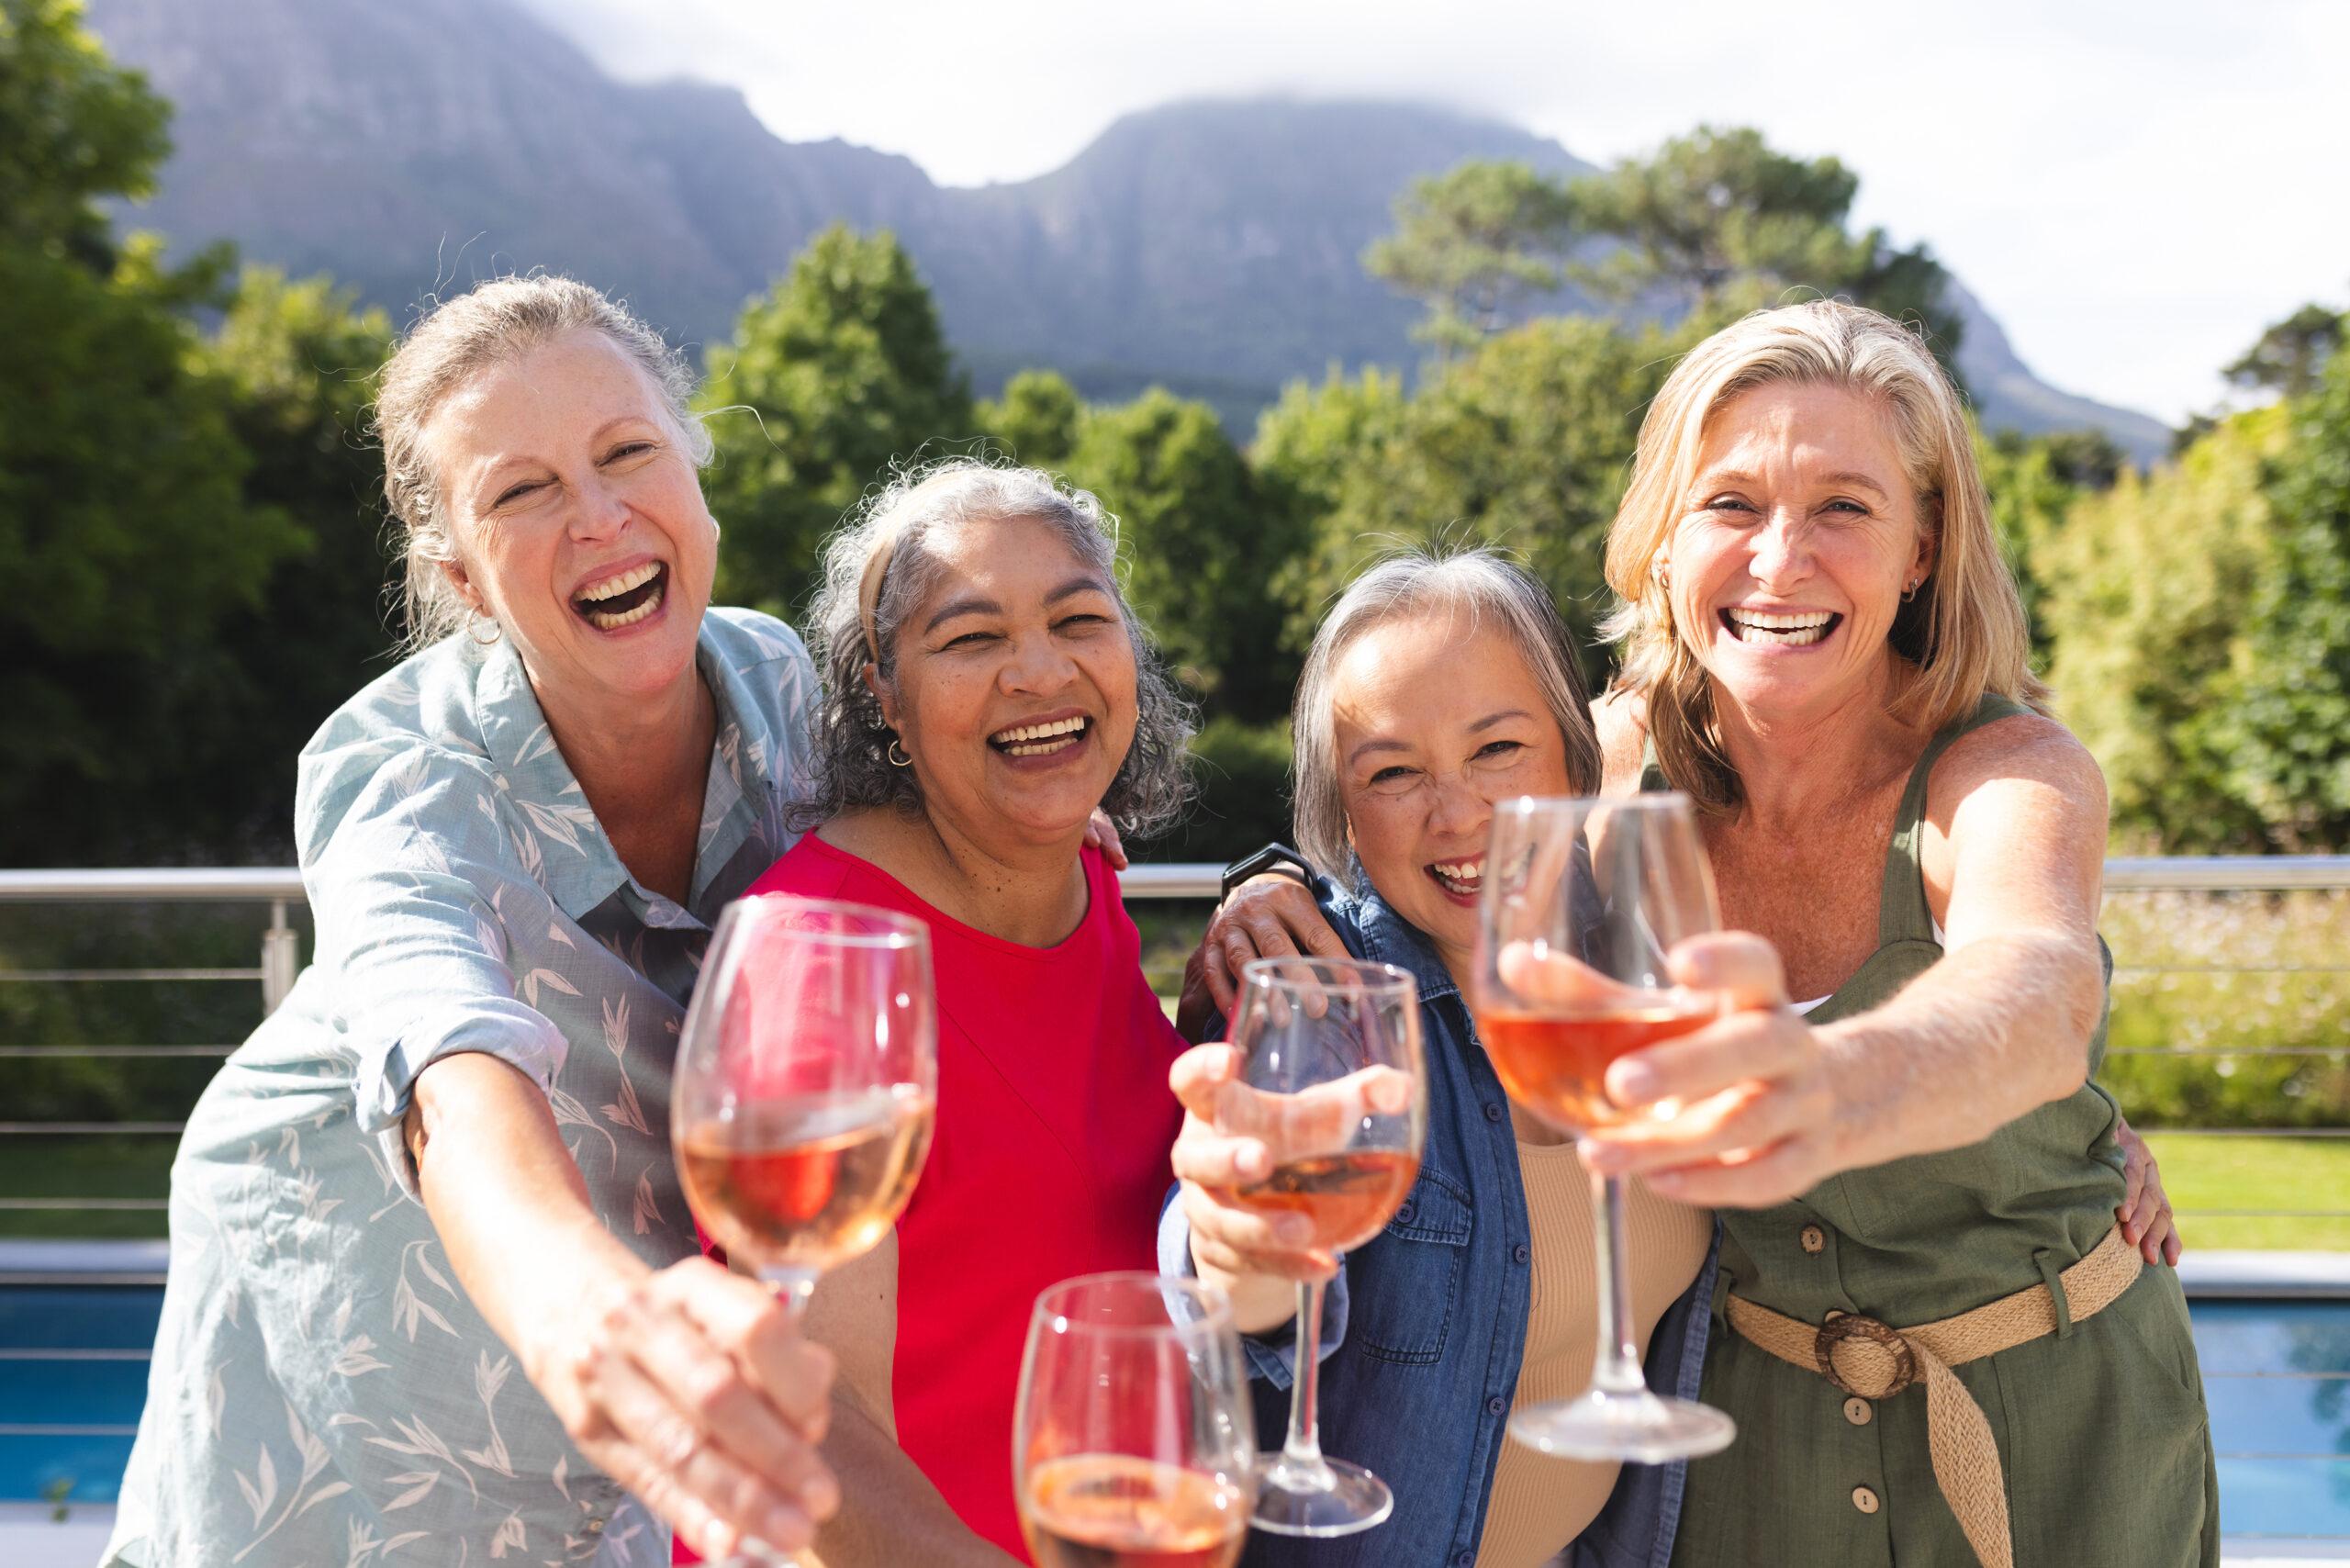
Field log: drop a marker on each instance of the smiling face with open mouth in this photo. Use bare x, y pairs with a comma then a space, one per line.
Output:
578, 519
1013, 687
1802, 533
1432, 727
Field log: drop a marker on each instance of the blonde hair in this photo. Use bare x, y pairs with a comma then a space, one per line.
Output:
1472, 584
1962, 633
495, 323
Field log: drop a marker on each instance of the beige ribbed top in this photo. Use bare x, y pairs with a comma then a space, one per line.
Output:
1540, 1504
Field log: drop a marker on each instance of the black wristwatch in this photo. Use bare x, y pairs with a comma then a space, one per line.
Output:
1278, 858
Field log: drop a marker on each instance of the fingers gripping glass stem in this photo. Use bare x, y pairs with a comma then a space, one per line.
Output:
1331, 1082
1585, 902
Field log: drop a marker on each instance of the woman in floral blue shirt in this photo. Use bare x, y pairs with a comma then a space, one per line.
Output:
445, 1159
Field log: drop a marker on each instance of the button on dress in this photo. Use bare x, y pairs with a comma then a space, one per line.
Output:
2102, 1428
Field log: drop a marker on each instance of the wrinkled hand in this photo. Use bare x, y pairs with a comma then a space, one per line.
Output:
1752, 1111
692, 1389
1102, 833
1268, 916
2145, 1215
1232, 1138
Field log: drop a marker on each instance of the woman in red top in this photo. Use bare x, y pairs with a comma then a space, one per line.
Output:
986, 688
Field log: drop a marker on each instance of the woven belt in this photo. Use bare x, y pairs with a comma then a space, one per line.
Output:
1870, 1360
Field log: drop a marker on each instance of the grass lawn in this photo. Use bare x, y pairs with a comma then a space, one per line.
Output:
2203, 1171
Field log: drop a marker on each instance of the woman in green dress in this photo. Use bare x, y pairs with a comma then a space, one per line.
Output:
1939, 1346
1823, 647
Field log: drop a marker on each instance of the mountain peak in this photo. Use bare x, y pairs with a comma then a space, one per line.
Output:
1212, 244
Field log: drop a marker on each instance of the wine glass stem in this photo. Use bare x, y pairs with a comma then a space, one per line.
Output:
1618, 1369
792, 1287
1301, 1467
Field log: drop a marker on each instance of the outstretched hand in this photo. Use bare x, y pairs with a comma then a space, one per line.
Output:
1746, 1102
692, 1389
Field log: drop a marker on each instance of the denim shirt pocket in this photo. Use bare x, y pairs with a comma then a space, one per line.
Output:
1406, 1282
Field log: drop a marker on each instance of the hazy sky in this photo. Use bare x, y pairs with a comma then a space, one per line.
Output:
2134, 190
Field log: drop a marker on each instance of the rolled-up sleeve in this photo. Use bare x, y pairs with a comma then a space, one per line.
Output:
406, 871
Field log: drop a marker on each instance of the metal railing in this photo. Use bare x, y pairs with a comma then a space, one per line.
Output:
278, 960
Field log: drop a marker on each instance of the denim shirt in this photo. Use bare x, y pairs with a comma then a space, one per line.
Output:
1425, 1327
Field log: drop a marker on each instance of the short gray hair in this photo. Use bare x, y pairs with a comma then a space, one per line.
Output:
852, 769
1479, 583
495, 323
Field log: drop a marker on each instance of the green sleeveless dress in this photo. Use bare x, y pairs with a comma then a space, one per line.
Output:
2100, 1428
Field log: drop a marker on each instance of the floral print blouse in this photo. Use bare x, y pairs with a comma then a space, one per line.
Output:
322, 1391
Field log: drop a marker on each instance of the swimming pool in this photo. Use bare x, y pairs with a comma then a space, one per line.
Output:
77, 1320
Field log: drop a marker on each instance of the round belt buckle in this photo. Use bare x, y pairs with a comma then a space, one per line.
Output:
1852, 1326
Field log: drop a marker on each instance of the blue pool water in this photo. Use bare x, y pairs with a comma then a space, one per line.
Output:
2275, 1374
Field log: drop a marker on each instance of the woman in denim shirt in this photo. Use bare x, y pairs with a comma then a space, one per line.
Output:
1435, 688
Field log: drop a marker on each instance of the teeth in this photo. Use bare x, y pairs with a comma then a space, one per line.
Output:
1785, 631
610, 622
1781, 622
1039, 732
613, 587
1461, 870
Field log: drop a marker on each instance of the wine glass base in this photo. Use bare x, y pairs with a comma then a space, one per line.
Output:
1291, 1501
1639, 1426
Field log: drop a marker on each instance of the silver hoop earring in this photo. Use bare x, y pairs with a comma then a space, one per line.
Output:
475, 621
1662, 573
897, 755
1911, 591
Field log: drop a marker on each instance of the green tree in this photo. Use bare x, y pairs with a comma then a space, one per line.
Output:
1036, 420
2144, 588
297, 362
1469, 244
75, 129
123, 520
2291, 355
1717, 220
2286, 723
1524, 444
838, 372
1202, 554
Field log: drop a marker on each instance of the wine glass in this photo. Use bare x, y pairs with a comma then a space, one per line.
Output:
807, 1083
1133, 1445
1584, 901
1330, 1078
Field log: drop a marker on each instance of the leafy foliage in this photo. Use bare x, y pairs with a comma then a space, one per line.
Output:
1471, 243
2285, 726
1201, 553
840, 372
2144, 588
75, 129
1524, 444
1035, 421
1717, 217
2291, 355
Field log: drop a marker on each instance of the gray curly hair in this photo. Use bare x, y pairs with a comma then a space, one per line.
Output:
876, 572
493, 324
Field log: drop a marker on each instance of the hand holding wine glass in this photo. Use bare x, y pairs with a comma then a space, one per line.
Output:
1133, 1444
1585, 904
807, 1083
1327, 1083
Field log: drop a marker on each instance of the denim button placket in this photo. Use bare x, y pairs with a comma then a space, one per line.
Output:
1494, 1112
1521, 1253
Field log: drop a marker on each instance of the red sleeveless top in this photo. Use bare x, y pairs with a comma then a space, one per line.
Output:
1050, 1160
